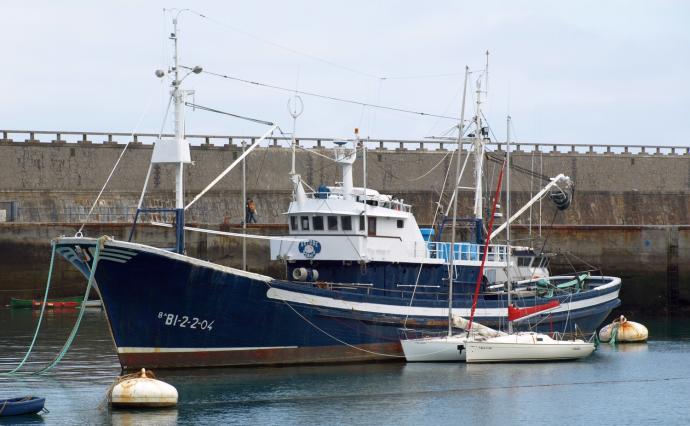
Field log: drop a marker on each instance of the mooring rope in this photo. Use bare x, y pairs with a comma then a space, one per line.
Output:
143, 373
82, 309
40, 317
335, 338
100, 243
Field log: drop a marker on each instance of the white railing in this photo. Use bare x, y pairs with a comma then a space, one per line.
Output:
368, 199
467, 251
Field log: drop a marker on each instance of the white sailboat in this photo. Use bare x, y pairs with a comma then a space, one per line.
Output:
526, 346
523, 346
450, 347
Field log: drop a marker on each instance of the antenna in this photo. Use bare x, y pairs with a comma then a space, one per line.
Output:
486, 75
176, 151
295, 108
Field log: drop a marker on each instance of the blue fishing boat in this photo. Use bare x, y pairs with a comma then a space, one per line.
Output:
358, 269
21, 406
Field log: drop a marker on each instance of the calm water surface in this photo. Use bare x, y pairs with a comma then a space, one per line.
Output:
628, 384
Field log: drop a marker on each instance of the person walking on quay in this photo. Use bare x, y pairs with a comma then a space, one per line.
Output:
250, 211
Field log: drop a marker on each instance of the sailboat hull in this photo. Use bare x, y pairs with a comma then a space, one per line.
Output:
434, 349
167, 310
526, 347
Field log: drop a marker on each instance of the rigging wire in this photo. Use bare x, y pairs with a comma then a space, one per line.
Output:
112, 172
433, 223
418, 177
320, 59
496, 158
241, 117
292, 50
318, 95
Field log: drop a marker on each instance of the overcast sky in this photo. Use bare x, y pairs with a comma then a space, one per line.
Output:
568, 72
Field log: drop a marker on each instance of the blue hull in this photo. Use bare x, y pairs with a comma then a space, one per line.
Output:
21, 406
168, 311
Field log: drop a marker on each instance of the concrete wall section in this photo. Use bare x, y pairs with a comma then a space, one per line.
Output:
58, 182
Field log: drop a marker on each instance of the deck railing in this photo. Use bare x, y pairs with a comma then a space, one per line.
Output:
467, 251
58, 137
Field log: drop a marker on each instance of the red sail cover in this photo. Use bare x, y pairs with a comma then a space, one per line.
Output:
515, 313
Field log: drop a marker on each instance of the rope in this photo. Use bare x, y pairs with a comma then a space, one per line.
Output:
614, 333
82, 308
433, 221
143, 373
335, 338
40, 317
422, 176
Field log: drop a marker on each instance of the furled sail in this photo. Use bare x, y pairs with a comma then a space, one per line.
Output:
515, 313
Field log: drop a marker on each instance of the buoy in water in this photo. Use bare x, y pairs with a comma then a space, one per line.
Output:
142, 390
623, 331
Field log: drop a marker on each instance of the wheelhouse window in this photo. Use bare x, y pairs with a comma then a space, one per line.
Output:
332, 223
524, 261
347, 223
305, 222
293, 223
400, 223
317, 221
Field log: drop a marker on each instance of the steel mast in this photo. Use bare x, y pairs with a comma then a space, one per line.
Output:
178, 98
479, 146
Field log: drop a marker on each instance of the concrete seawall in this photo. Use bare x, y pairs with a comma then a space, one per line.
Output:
651, 260
630, 213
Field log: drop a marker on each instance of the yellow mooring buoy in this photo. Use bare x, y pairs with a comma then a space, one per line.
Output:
142, 390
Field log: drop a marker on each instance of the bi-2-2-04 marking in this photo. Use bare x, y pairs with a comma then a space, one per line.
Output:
184, 321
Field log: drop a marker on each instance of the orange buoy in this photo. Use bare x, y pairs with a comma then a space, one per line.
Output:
623, 331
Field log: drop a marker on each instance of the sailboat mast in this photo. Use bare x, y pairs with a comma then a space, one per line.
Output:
451, 274
508, 270
478, 158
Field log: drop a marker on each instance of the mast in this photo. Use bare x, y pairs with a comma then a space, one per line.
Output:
175, 151
478, 156
451, 274
244, 200
509, 272
178, 97
364, 217
479, 145
295, 108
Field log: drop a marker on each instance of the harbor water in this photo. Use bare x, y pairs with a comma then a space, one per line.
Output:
625, 384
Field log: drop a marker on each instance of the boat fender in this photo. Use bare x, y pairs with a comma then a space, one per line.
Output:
305, 274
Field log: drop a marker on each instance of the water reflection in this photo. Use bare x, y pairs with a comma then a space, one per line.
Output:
166, 416
653, 375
